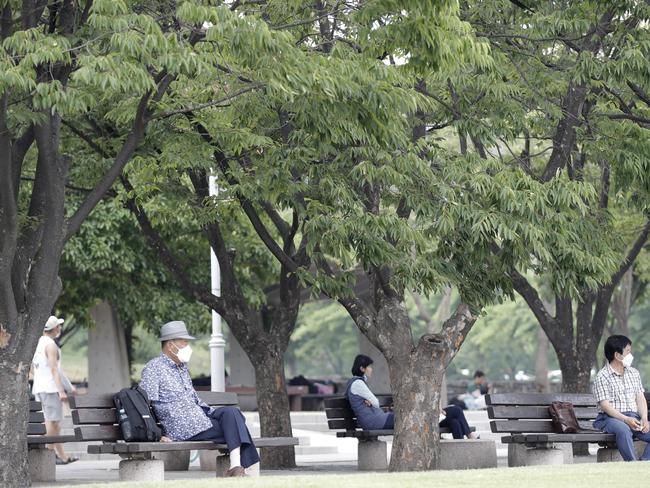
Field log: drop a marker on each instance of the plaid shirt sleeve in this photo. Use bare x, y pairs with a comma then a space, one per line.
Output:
636, 380
600, 389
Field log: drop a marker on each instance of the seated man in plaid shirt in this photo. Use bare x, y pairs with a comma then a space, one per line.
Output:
619, 393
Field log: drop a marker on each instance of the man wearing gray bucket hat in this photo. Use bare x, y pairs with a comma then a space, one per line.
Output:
182, 414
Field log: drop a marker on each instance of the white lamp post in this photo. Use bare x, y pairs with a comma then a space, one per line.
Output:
217, 343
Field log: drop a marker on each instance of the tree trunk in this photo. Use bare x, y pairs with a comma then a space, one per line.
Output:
273, 405
576, 369
14, 398
541, 362
622, 303
416, 383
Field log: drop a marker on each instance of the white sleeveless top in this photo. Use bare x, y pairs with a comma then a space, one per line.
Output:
43, 379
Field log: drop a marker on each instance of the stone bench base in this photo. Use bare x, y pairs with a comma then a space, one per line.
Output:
611, 454
142, 470
42, 464
174, 460
522, 455
454, 454
468, 454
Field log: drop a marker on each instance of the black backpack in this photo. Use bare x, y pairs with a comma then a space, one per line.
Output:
135, 415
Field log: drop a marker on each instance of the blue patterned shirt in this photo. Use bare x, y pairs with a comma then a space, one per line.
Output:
171, 393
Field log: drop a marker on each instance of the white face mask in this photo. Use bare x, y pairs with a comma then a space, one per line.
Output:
627, 360
184, 353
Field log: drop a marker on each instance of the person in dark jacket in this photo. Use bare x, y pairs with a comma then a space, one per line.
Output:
371, 417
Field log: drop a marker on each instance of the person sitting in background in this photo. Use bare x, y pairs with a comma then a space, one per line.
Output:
183, 415
619, 393
474, 399
370, 416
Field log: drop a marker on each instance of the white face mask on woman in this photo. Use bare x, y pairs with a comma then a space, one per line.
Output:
184, 353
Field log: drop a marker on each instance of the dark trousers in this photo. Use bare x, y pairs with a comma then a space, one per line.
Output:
229, 427
454, 421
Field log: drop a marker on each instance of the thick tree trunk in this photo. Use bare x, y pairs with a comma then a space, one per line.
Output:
14, 398
273, 405
416, 373
541, 362
416, 383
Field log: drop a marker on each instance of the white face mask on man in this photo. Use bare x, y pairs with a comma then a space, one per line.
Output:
183, 353
627, 360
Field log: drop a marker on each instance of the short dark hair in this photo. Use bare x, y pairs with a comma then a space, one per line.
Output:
615, 344
360, 361
479, 374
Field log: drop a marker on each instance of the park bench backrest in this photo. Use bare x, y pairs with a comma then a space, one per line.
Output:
36, 425
528, 412
340, 415
95, 418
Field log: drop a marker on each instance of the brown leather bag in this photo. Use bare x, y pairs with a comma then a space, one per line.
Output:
564, 418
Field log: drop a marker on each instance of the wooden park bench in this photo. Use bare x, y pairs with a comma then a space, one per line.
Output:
42, 461
95, 419
531, 437
295, 394
372, 452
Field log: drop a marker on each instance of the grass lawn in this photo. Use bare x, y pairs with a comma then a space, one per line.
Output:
568, 476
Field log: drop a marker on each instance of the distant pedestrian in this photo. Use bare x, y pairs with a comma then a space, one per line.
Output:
51, 386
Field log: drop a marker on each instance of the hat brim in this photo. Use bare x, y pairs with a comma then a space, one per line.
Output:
170, 337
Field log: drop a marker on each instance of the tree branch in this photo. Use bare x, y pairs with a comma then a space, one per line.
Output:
178, 269
212, 103
639, 92
123, 157
632, 254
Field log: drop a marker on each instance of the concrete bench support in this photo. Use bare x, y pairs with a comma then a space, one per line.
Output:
372, 455
174, 460
142, 470
215, 461
42, 466
611, 454
521, 455
467, 454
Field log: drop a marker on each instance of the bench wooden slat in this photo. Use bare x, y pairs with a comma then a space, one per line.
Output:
338, 402
529, 426
106, 401
537, 399
219, 398
339, 413
94, 416
36, 417
342, 424
579, 437
36, 429
35, 406
98, 433
138, 447
534, 412
91, 401
599, 437
49, 439
342, 402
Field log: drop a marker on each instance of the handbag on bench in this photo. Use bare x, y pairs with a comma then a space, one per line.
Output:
564, 418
